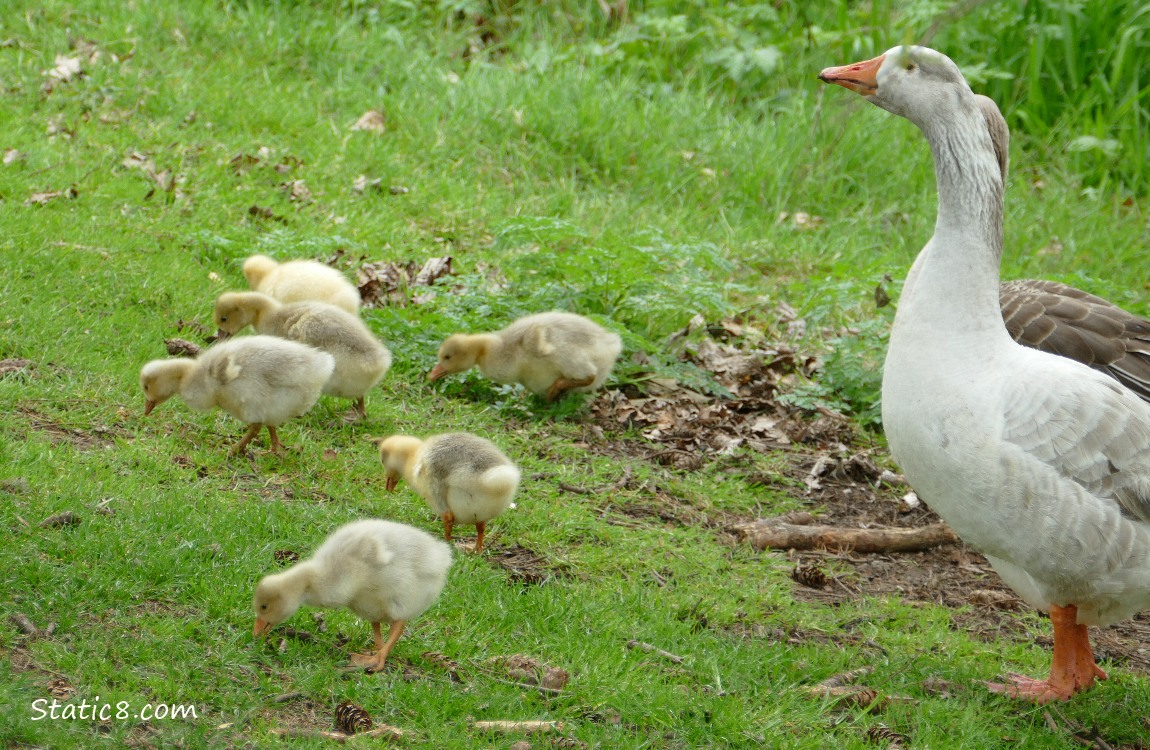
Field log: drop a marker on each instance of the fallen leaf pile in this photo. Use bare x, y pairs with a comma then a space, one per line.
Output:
686, 428
385, 283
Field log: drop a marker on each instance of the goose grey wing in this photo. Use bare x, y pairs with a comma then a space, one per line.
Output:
1069, 322
1091, 431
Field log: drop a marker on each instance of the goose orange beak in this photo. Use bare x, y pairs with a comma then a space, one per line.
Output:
148, 406
262, 626
436, 373
860, 77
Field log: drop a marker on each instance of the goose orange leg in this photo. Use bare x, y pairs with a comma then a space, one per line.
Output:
238, 448
480, 527
373, 662
1072, 670
277, 446
562, 385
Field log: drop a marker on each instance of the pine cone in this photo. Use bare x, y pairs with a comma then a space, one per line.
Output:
351, 719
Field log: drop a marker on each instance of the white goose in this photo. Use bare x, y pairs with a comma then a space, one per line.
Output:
1038, 461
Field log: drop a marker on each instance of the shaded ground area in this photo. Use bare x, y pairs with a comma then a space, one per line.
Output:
828, 464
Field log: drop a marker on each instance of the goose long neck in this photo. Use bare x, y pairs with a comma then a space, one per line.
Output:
952, 291
969, 182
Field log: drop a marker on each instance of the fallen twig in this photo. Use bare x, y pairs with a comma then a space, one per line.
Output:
287, 697
528, 727
526, 685
384, 731
779, 535
23, 624
647, 647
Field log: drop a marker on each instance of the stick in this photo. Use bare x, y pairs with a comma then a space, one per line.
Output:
526, 685
529, 727
385, 731
767, 535
647, 647
287, 697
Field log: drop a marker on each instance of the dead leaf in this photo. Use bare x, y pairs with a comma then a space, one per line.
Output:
261, 212
41, 199
67, 69
387, 283
372, 120
15, 364
994, 599
56, 127
61, 689
11, 156
362, 184
297, 191
64, 518
1054, 247
241, 163
801, 220
181, 348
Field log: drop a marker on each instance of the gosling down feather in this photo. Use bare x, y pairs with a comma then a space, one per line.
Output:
380, 570
301, 281
261, 380
464, 478
1039, 461
549, 353
1062, 320
360, 359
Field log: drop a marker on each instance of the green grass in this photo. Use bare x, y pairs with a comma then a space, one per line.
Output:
631, 171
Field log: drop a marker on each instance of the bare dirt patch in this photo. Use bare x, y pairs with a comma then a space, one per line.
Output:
98, 437
524, 565
847, 481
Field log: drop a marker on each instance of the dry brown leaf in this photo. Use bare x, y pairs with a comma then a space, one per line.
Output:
61, 689
40, 199
387, 283
994, 599
241, 163
11, 156
260, 212
182, 348
16, 364
362, 184
57, 127
372, 120
297, 191
67, 69
64, 518
801, 220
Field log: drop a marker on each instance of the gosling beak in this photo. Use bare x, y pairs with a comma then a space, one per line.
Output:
222, 335
436, 373
860, 77
392, 481
262, 626
148, 406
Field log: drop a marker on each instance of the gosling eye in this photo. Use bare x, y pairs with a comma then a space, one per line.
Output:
909, 67
223, 318
263, 606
